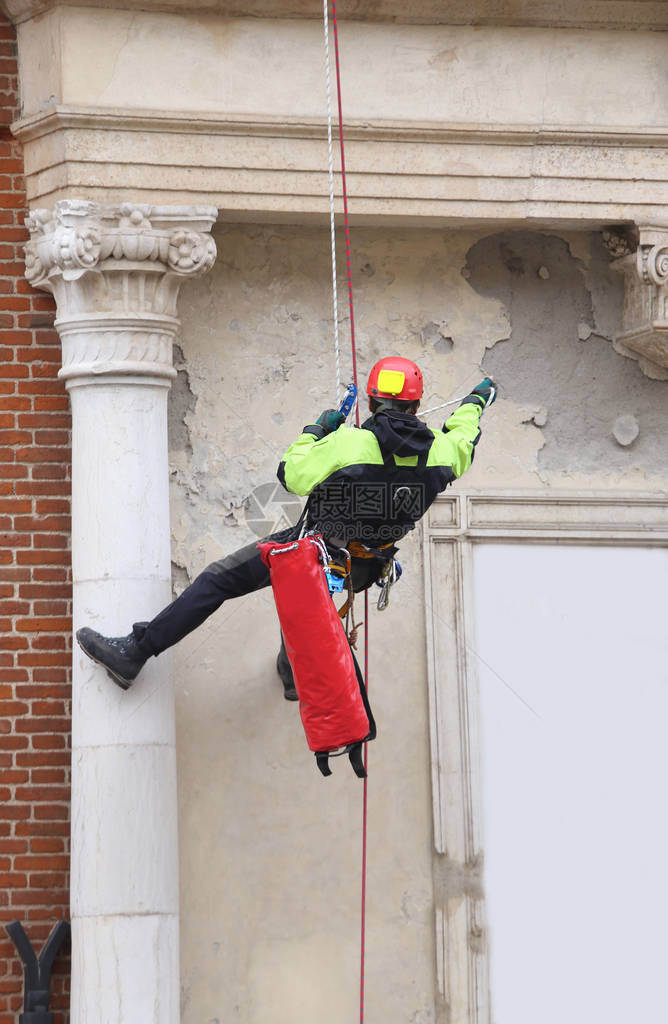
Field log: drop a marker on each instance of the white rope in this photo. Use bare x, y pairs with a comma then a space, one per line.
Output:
335, 303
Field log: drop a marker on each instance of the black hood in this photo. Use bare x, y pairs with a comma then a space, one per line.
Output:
399, 433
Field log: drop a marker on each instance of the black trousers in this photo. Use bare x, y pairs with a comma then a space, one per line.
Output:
237, 574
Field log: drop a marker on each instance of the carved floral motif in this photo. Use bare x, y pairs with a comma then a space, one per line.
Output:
115, 271
80, 235
191, 252
653, 263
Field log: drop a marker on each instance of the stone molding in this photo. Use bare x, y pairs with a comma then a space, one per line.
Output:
115, 271
59, 116
644, 333
266, 168
650, 14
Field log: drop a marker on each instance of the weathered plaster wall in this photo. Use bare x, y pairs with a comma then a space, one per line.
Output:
564, 306
122, 58
270, 851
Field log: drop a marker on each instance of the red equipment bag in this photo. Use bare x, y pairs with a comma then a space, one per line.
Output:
333, 701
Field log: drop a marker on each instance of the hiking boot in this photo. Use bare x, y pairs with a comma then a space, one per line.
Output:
120, 655
284, 669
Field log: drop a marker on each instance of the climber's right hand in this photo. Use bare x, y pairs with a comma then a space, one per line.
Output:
485, 391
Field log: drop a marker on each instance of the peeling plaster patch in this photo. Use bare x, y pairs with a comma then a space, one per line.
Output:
545, 365
437, 335
180, 579
181, 402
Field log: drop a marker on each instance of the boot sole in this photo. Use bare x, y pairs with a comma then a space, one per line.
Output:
124, 684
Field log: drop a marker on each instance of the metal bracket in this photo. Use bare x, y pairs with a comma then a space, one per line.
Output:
37, 970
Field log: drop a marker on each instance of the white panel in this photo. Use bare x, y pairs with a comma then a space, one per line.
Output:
575, 832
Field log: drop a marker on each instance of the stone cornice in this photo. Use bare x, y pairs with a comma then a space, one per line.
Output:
585, 14
197, 123
115, 270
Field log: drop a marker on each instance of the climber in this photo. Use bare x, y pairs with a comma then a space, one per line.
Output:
368, 487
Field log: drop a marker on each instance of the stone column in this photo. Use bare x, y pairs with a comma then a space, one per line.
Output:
115, 271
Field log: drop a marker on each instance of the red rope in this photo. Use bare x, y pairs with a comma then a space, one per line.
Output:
357, 421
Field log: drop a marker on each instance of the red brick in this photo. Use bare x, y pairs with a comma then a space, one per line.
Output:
14, 607
42, 794
48, 742
43, 591
51, 675
43, 691
45, 419
49, 472
13, 643
38, 387
50, 575
42, 845
15, 302
15, 540
50, 641
44, 757
12, 675
48, 707
46, 776
11, 708
51, 812
43, 624
43, 557
53, 524
16, 437
56, 402
12, 846
16, 402
16, 574
53, 506
13, 370
45, 898
44, 725
15, 812
39, 487
45, 828
39, 453
15, 507
12, 743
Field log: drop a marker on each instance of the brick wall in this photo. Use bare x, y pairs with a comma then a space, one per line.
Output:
35, 589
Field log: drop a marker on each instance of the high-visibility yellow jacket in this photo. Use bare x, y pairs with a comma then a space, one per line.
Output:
372, 483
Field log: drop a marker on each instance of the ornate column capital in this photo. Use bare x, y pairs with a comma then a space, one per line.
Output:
115, 270
644, 333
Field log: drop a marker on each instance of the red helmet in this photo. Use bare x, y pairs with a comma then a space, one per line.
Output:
395, 377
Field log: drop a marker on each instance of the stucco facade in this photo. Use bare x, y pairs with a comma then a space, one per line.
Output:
510, 216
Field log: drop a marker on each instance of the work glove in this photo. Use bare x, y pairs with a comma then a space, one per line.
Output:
327, 422
330, 420
484, 394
